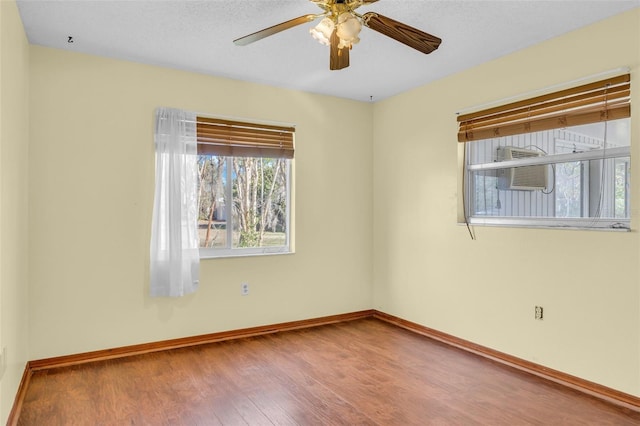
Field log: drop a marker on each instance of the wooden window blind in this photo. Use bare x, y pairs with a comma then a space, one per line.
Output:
239, 139
590, 103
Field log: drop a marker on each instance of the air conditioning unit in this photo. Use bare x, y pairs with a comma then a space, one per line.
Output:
527, 178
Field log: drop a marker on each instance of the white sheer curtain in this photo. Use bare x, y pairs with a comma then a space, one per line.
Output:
175, 261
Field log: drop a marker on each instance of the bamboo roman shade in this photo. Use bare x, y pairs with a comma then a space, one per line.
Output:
240, 139
590, 103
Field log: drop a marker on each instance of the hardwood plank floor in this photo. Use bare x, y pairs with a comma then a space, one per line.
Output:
364, 372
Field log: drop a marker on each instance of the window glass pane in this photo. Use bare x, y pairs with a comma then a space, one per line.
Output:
495, 199
487, 199
616, 132
596, 187
579, 189
256, 215
212, 211
259, 202
622, 188
568, 189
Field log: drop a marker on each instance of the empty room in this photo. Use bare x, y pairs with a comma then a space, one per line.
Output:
319, 212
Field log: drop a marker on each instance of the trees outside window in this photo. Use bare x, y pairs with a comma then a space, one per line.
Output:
243, 204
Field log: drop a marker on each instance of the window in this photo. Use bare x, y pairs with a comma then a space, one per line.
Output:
244, 194
558, 160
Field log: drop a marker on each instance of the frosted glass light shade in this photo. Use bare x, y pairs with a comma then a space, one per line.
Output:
348, 26
347, 43
322, 31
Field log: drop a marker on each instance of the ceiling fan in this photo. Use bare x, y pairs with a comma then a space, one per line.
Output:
341, 25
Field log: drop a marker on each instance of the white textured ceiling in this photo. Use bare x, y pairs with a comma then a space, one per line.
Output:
197, 36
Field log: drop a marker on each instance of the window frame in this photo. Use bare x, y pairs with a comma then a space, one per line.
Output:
594, 102
248, 145
617, 224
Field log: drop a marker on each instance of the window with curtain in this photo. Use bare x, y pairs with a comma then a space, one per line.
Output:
556, 160
244, 191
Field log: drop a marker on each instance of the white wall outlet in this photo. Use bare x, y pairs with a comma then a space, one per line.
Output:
244, 289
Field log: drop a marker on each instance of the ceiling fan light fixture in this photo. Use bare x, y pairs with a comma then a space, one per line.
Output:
322, 31
340, 28
348, 27
347, 43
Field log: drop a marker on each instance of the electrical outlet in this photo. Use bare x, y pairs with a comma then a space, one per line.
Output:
244, 289
539, 313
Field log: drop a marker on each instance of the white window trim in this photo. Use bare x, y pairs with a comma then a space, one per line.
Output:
594, 154
216, 253
578, 223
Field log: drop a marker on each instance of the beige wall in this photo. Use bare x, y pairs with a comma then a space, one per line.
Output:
426, 268
91, 193
14, 63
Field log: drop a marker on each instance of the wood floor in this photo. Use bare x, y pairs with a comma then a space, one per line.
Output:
363, 372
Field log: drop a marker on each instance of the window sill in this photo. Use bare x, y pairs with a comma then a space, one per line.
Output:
231, 253
577, 224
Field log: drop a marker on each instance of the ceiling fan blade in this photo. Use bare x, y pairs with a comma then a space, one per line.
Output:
338, 58
353, 4
412, 37
243, 41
